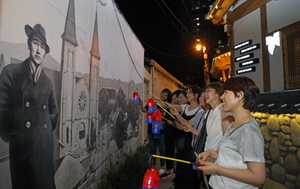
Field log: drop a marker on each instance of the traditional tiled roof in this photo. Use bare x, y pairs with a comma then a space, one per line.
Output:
285, 102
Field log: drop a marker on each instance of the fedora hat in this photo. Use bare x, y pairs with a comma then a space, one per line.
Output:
39, 31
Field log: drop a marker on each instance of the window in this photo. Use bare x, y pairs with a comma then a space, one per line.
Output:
195, 8
81, 131
68, 135
293, 60
291, 45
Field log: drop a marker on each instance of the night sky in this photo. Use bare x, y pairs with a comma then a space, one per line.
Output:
161, 39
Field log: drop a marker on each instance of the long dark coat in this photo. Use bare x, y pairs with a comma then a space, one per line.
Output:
28, 116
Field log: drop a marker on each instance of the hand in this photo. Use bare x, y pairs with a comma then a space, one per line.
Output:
181, 127
203, 156
140, 102
209, 168
167, 104
160, 104
177, 125
173, 111
186, 127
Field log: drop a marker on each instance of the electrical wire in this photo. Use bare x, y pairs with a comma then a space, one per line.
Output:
178, 20
171, 20
143, 79
187, 12
183, 55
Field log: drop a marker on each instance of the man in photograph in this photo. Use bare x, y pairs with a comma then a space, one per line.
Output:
28, 115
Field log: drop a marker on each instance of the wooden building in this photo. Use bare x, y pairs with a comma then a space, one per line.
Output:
264, 38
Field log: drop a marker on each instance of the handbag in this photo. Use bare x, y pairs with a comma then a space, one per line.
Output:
201, 139
181, 141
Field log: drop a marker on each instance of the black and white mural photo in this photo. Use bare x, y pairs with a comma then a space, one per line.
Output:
67, 74
28, 115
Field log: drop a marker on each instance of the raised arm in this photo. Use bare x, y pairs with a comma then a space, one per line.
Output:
174, 111
189, 128
177, 107
143, 109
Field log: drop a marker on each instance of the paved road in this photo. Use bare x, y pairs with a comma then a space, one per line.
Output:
167, 182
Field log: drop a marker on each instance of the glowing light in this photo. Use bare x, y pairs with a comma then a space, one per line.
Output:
249, 62
246, 70
251, 48
272, 42
198, 47
240, 45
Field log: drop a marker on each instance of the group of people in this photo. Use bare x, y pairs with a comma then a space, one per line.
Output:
214, 127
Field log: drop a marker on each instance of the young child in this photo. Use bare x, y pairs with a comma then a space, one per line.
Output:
240, 153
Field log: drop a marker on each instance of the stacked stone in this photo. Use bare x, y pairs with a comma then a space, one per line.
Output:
282, 141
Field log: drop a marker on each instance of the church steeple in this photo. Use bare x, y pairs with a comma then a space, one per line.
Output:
94, 83
68, 62
95, 42
70, 27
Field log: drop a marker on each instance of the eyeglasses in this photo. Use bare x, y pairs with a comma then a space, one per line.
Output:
207, 90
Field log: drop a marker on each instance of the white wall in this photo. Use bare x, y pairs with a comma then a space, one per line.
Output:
245, 29
276, 70
280, 13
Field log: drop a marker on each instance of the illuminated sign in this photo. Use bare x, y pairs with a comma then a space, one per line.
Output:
243, 57
243, 44
249, 62
251, 48
246, 70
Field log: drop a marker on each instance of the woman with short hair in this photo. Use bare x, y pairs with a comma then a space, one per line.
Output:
239, 156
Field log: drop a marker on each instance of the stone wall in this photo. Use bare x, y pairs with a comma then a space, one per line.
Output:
282, 147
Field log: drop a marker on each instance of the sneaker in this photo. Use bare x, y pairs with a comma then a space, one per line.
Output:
165, 175
161, 172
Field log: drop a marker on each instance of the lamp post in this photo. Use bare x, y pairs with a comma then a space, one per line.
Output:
205, 66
